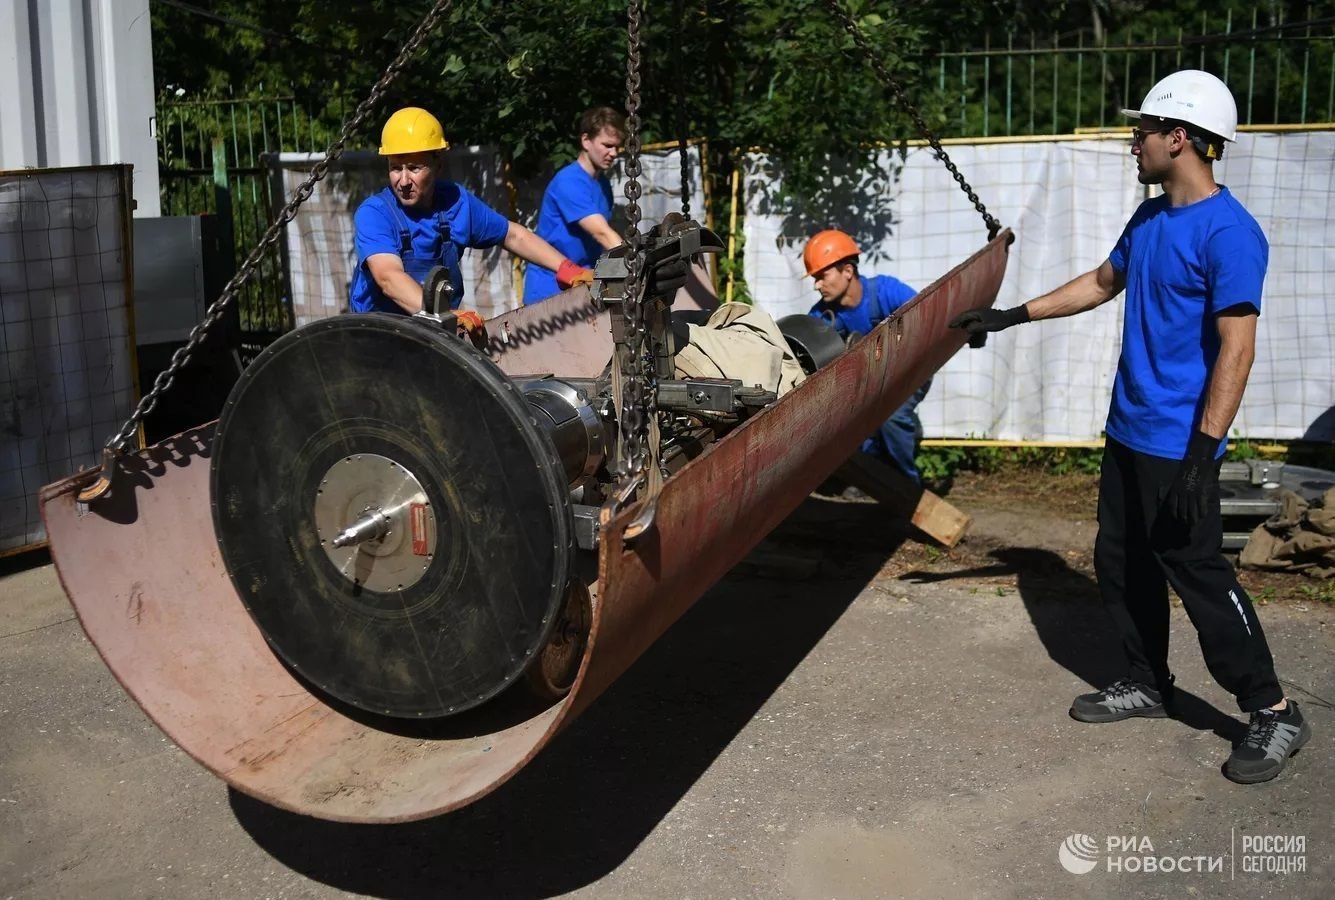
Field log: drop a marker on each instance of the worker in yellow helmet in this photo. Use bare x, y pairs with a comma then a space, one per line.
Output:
421, 221
855, 304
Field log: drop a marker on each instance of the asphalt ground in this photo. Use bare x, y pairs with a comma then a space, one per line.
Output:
821, 724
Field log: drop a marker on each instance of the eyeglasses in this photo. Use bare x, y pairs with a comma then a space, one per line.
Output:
1138, 135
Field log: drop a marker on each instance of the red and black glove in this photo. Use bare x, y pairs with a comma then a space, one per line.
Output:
470, 325
570, 274
468, 320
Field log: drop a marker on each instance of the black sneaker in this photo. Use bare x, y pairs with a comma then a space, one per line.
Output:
1272, 737
1120, 700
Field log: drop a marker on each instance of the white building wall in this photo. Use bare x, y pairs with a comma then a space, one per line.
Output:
76, 88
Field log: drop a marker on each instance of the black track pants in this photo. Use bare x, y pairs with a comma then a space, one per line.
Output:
1138, 553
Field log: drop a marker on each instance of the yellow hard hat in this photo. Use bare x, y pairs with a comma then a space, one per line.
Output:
412, 130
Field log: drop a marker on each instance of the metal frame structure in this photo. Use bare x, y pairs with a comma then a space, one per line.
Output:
1112, 70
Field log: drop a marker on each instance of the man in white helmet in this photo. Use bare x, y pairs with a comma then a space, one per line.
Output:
1192, 262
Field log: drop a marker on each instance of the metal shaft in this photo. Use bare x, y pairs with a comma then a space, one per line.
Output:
372, 526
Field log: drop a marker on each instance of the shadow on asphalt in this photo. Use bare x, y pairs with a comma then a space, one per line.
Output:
1064, 606
582, 806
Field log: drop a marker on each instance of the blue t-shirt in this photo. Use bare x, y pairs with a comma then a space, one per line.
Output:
571, 195
422, 239
881, 296
1183, 266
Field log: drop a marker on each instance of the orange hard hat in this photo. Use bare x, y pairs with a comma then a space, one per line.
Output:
827, 248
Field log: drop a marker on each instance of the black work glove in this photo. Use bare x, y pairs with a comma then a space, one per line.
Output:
1189, 496
666, 278
980, 321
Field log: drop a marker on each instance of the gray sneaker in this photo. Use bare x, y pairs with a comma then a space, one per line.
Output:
1118, 701
1272, 737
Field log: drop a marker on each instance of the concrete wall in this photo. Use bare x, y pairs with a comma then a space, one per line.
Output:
76, 88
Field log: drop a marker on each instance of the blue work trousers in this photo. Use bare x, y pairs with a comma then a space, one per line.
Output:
897, 440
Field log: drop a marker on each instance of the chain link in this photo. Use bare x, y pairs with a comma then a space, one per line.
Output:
638, 402
891, 83
303, 193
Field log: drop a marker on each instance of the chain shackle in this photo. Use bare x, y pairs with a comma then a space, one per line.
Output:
893, 85
232, 289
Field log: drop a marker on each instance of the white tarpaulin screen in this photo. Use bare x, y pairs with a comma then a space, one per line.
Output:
1067, 201
66, 382
319, 250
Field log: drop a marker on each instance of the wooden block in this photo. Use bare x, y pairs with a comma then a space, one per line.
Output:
929, 513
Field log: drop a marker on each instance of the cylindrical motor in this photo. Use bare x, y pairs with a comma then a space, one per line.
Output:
565, 413
813, 341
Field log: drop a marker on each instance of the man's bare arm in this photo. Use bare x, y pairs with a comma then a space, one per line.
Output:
1237, 351
394, 282
1080, 294
531, 248
599, 229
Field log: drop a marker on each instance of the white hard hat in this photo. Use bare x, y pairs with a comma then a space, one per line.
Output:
1195, 97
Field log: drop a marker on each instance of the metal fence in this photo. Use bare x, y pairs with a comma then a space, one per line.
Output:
1282, 72
211, 160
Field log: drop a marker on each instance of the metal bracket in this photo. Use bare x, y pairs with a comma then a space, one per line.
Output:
437, 291
586, 526
1258, 472
723, 395
675, 238
706, 394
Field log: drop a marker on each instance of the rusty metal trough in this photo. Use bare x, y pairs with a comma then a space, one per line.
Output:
143, 572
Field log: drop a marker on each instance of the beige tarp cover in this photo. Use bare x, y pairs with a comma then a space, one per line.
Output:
1298, 538
741, 341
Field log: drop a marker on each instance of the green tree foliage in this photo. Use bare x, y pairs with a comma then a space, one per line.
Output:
777, 74
773, 74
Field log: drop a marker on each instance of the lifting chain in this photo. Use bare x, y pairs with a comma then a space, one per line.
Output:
683, 120
893, 85
639, 403
215, 311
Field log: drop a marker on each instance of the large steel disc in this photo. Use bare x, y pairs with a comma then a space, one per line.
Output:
390, 514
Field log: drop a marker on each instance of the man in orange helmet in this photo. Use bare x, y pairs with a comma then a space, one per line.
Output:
855, 304
421, 221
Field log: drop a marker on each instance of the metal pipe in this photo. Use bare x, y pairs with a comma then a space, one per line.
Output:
1079, 74
1307, 52
1228, 44
1251, 71
1033, 100
1055, 67
987, 82
1010, 63
732, 230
